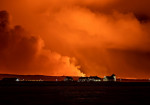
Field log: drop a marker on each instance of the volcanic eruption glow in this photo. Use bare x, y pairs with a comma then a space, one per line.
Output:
76, 38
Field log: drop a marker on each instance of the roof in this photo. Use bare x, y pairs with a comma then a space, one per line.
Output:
83, 78
92, 77
111, 77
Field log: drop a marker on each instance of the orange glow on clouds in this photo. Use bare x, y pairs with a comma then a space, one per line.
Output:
74, 37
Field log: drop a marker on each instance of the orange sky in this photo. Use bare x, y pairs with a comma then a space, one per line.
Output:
74, 37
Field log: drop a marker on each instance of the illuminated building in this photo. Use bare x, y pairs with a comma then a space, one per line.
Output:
89, 79
110, 78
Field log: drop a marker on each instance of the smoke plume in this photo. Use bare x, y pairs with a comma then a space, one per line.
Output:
102, 36
23, 53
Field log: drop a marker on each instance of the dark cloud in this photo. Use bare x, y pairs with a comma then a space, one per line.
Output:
142, 18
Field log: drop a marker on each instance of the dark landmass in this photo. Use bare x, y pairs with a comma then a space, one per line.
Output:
58, 78
35, 77
51, 92
74, 93
74, 83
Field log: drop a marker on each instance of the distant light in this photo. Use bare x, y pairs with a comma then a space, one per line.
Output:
17, 79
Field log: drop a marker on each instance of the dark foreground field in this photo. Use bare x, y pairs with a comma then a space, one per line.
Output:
62, 93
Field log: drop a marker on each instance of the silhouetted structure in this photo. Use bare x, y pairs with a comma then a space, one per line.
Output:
89, 79
68, 79
10, 79
110, 78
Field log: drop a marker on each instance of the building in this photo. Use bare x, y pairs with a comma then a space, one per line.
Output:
68, 79
110, 78
83, 79
33, 80
89, 79
94, 79
10, 79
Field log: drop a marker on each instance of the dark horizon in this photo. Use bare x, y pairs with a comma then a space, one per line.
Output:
35, 76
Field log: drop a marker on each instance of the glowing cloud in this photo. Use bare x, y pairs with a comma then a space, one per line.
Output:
102, 36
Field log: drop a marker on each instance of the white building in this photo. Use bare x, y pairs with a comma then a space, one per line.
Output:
89, 79
110, 78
